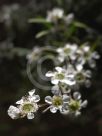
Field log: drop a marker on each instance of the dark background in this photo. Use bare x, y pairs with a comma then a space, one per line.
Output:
14, 82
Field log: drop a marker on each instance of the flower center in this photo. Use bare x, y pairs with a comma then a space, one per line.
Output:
74, 105
80, 77
57, 101
60, 76
28, 107
66, 51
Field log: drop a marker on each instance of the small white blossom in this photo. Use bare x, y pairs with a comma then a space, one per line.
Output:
82, 76
75, 105
91, 59
84, 55
67, 51
61, 76
55, 15
6, 13
34, 54
56, 102
69, 18
27, 106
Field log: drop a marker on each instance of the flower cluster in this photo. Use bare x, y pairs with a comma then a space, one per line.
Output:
78, 55
69, 77
64, 82
71, 71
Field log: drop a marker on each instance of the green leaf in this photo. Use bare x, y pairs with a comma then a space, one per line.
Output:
38, 20
79, 24
42, 33
20, 51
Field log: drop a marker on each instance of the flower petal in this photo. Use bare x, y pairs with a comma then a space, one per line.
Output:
48, 99
77, 113
66, 98
36, 98
59, 69
31, 93
30, 115
95, 55
61, 58
84, 103
49, 74
77, 95
54, 81
64, 109
92, 63
69, 18
20, 101
53, 109
55, 90
87, 83
69, 82
59, 50
86, 48
88, 73
79, 67
74, 47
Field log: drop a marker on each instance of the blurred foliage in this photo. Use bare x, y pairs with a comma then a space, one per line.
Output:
17, 38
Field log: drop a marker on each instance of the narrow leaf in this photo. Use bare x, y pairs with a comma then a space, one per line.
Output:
38, 20
42, 33
79, 24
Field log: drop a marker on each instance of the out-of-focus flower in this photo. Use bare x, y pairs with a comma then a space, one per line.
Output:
56, 102
84, 55
61, 76
74, 105
55, 15
34, 54
91, 59
27, 106
6, 12
83, 77
67, 51
79, 56
69, 18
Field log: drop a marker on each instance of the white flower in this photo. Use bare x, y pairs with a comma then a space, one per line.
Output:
91, 59
56, 102
75, 105
54, 15
61, 76
14, 112
27, 106
82, 76
34, 54
84, 55
69, 18
68, 50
